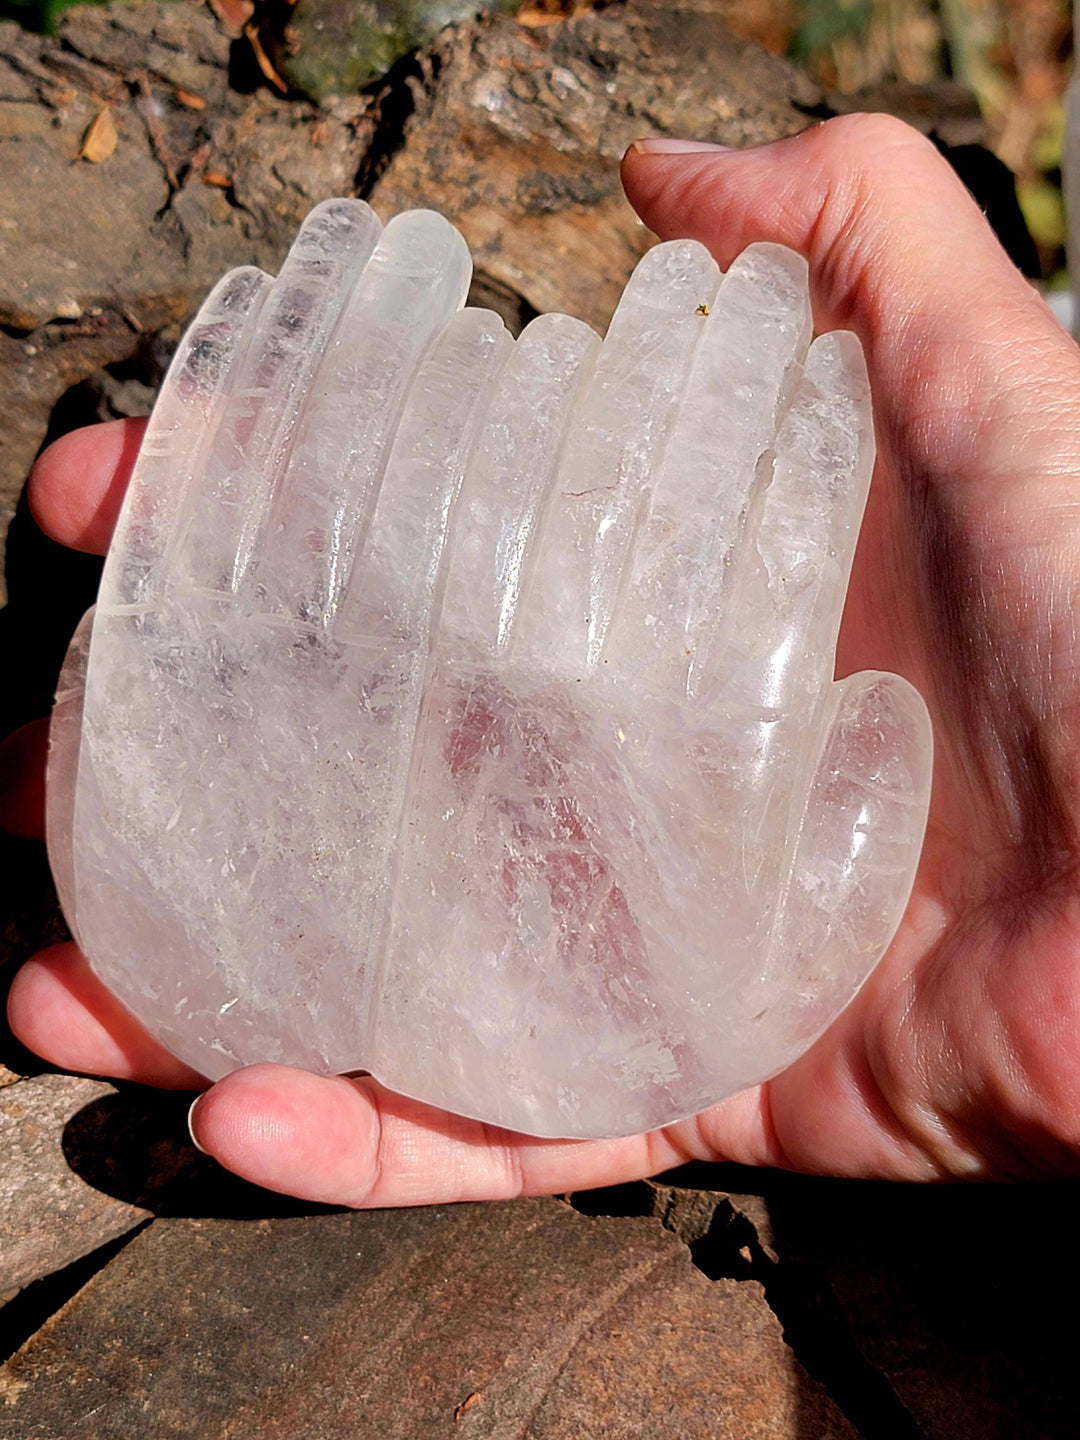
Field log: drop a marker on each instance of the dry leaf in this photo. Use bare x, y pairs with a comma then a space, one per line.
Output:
233, 14
466, 1404
99, 142
536, 19
262, 59
537, 13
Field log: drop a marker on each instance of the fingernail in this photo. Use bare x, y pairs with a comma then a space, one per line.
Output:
667, 145
191, 1127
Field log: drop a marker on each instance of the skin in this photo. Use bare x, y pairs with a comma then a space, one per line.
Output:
961, 1055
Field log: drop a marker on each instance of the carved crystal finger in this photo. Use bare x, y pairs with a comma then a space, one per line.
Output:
508, 479
389, 613
687, 555
777, 641
194, 399
855, 862
391, 600
416, 279
786, 617
225, 509
65, 736
617, 437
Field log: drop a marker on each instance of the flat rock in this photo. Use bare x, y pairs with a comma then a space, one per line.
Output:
513, 1320
943, 1292
72, 1178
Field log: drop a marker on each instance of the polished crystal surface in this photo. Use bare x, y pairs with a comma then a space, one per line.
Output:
461, 709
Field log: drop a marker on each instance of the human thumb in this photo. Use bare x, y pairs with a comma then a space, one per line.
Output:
974, 517
971, 373
890, 232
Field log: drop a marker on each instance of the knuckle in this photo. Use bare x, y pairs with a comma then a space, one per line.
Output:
869, 165
873, 138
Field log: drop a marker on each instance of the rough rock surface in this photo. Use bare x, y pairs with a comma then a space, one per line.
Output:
63, 1156
520, 138
523, 1319
335, 47
510, 132
950, 1293
201, 177
930, 1313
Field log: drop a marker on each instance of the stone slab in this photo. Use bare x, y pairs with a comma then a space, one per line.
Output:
80, 1162
953, 1294
387, 1324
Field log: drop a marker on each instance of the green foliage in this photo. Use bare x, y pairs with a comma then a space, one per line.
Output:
342, 45
1043, 210
40, 15
823, 22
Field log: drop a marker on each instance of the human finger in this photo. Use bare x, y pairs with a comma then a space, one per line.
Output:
351, 1142
78, 483
60, 1010
862, 198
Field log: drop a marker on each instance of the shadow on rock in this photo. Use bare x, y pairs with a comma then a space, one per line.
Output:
134, 1146
930, 1311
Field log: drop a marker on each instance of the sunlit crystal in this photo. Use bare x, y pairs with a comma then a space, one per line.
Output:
461, 709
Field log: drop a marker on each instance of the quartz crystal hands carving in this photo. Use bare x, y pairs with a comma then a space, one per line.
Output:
461, 709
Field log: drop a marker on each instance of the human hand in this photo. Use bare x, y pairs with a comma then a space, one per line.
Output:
958, 1057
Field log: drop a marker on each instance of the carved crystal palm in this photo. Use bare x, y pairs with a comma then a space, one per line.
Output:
462, 709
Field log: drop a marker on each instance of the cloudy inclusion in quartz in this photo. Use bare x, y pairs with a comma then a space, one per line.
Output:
462, 709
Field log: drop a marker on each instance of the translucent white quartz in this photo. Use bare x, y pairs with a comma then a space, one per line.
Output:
462, 709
